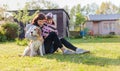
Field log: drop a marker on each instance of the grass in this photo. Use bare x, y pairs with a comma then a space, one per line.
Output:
104, 56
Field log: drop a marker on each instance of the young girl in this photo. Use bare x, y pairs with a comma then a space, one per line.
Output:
49, 26
52, 28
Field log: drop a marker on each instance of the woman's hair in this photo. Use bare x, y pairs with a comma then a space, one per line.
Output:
39, 16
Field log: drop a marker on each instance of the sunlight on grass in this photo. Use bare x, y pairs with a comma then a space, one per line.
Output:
103, 57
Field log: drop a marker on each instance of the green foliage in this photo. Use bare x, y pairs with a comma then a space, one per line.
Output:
10, 30
18, 15
33, 5
23, 16
72, 15
49, 4
80, 19
2, 10
2, 36
78, 8
108, 36
22, 42
86, 30
107, 8
89, 9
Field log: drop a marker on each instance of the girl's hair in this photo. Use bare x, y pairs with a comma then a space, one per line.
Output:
51, 18
39, 16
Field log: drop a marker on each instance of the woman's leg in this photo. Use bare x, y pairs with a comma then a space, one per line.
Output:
68, 44
48, 42
53, 40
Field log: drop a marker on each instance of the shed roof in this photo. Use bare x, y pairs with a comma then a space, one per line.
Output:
45, 10
103, 17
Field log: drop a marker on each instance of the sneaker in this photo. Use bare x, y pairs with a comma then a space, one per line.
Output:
68, 52
81, 51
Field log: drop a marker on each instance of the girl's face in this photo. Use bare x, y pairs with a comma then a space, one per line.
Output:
40, 22
49, 21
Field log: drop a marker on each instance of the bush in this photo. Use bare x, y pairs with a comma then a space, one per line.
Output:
112, 33
2, 36
22, 42
10, 30
74, 33
108, 36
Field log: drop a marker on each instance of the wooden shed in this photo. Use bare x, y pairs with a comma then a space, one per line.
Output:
104, 24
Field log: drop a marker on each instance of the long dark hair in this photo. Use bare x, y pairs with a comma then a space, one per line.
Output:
39, 16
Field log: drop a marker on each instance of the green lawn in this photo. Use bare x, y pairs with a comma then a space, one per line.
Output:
104, 56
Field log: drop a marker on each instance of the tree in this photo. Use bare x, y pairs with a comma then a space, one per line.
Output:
72, 17
18, 15
3, 8
73, 12
78, 8
41, 4
80, 19
23, 15
89, 9
49, 4
107, 8
33, 5
67, 9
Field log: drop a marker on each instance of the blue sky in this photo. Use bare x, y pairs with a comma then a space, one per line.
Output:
18, 4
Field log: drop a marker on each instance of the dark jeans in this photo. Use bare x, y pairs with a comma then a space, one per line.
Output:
68, 44
52, 43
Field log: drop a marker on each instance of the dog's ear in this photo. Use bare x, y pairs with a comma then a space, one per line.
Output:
38, 31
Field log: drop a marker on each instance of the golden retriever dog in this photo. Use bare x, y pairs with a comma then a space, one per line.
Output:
36, 42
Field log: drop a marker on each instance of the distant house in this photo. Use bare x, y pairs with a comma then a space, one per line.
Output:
104, 24
61, 19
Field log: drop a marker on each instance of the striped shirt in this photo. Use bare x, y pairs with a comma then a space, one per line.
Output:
47, 28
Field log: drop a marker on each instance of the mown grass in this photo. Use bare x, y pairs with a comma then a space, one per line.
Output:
104, 56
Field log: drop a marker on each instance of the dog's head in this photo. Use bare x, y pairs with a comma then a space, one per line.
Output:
35, 31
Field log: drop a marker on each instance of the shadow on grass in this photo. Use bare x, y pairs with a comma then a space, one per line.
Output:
88, 59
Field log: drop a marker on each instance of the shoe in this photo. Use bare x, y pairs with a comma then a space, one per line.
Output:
68, 52
81, 51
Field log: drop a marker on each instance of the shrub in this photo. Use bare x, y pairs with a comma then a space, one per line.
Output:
22, 42
2, 36
74, 33
108, 36
10, 30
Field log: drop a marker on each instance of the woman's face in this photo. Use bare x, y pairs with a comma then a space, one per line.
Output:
49, 21
40, 22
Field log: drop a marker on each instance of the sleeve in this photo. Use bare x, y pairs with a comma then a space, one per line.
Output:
27, 27
27, 32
